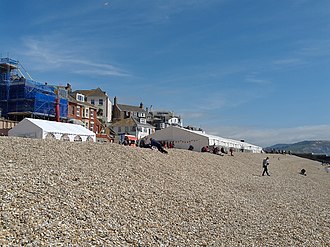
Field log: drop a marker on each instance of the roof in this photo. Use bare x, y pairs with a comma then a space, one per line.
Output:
123, 122
143, 124
59, 127
236, 143
130, 108
72, 99
92, 92
43, 129
220, 138
130, 122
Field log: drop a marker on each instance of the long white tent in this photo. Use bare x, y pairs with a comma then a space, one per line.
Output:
43, 129
183, 138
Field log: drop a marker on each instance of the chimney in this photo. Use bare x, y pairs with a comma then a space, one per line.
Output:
115, 100
141, 105
68, 87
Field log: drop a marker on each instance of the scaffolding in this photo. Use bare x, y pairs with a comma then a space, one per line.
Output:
23, 97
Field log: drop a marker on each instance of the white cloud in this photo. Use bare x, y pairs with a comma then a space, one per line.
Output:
267, 137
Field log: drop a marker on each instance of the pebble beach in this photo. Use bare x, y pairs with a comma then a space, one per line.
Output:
90, 194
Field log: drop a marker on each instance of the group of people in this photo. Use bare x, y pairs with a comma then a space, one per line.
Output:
128, 142
216, 150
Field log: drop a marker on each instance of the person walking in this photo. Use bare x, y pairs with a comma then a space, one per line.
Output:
265, 164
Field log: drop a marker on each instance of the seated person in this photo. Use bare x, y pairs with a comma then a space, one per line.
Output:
216, 150
156, 144
205, 149
303, 172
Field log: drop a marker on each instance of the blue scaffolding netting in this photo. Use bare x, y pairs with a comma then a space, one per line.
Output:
21, 96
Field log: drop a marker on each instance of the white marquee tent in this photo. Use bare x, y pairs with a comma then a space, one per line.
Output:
43, 129
183, 138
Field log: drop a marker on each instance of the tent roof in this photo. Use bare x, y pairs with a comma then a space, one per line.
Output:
58, 127
201, 133
222, 138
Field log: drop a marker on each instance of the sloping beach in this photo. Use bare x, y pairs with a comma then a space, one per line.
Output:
90, 194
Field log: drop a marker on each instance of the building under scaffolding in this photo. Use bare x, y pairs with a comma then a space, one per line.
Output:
21, 96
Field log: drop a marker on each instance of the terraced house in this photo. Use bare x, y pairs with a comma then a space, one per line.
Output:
101, 100
131, 120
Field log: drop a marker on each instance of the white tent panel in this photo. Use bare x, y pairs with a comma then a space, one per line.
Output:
183, 138
37, 128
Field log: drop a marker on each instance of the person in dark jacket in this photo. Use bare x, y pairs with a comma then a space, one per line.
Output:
156, 144
265, 164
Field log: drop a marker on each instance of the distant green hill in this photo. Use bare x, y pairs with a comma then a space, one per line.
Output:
315, 147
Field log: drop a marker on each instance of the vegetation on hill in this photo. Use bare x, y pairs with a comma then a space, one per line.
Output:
315, 147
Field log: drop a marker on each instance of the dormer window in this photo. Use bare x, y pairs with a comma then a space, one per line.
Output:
143, 120
142, 114
80, 97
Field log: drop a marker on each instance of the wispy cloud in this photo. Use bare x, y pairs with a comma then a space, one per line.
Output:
52, 53
287, 61
314, 48
69, 11
253, 78
145, 12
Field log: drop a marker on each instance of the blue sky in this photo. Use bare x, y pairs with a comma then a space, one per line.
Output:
256, 70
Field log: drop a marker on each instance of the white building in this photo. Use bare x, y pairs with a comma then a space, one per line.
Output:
183, 138
164, 119
133, 126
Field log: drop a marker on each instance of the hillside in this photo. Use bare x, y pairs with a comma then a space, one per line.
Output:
317, 147
81, 194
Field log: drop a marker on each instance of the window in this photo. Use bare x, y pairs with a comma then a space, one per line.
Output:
78, 111
92, 113
142, 120
92, 101
72, 110
86, 112
100, 101
80, 97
